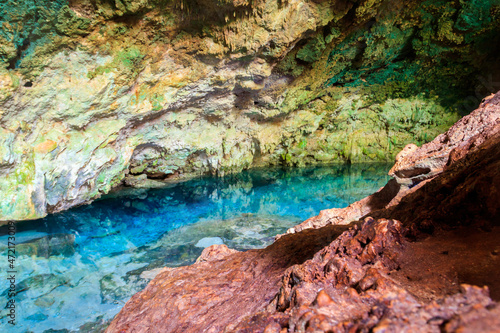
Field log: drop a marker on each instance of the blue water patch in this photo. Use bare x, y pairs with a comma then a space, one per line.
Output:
76, 269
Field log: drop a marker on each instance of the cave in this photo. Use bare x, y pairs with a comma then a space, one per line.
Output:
250, 166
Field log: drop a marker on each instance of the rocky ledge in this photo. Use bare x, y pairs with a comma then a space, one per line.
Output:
411, 266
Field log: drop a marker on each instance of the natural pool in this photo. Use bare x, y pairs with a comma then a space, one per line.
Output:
76, 269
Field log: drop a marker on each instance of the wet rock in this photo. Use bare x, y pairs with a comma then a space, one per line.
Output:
22, 237
39, 285
37, 317
114, 288
247, 231
44, 301
99, 325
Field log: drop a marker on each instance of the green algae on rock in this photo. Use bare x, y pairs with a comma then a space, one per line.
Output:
87, 87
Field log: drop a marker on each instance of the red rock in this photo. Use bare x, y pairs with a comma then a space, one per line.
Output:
214, 253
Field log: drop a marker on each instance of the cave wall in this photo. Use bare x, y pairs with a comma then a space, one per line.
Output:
98, 93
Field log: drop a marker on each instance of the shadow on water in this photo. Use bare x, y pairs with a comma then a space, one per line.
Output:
82, 265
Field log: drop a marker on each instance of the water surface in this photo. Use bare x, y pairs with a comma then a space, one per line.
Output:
77, 269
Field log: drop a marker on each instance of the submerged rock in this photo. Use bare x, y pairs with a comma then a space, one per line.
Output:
233, 286
39, 285
52, 245
352, 284
209, 241
244, 232
114, 288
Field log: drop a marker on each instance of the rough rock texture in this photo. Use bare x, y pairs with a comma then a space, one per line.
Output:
467, 193
357, 283
96, 94
415, 166
217, 291
370, 278
347, 287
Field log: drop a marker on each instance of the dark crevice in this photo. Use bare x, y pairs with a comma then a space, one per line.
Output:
20, 53
12, 63
130, 20
358, 59
407, 53
350, 17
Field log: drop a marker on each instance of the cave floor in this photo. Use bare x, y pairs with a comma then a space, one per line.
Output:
435, 266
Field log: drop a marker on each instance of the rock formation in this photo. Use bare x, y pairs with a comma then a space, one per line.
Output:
410, 266
96, 94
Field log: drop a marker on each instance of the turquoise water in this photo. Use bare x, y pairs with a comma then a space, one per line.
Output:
76, 269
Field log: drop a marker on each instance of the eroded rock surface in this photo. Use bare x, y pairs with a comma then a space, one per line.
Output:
348, 287
415, 164
466, 193
359, 282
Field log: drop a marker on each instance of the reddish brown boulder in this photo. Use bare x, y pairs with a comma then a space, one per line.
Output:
415, 164
214, 253
355, 285
466, 193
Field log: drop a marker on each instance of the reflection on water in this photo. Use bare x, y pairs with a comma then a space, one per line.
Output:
77, 269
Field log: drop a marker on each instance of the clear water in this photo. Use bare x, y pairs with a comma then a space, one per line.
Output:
77, 269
